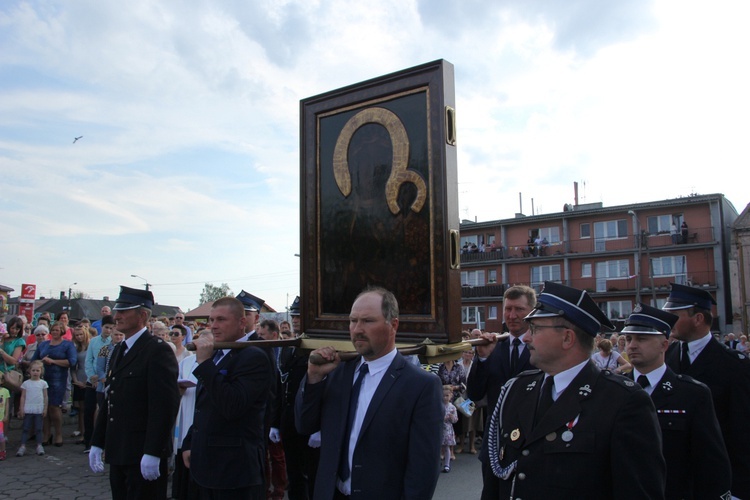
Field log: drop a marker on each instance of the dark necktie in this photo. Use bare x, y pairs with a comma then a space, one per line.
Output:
643, 381
685, 358
514, 357
344, 470
218, 355
120, 354
545, 399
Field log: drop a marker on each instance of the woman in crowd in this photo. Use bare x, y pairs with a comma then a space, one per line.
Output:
451, 374
67, 331
467, 424
81, 337
607, 359
40, 332
177, 336
13, 344
742, 346
58, 355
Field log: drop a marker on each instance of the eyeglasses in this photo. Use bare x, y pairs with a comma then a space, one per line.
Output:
175, 334
535, 328
179, 317
40, 334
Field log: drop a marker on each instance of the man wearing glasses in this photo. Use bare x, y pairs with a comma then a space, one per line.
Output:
179, 320
569, 429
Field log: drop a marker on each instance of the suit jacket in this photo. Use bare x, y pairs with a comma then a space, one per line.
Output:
227, 438
272, 418
727, 374
398, 450
487, 377
697, 461
293, 367
615, 450
142, 403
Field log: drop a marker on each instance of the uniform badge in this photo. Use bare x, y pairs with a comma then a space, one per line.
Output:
741, 356
531, 386
585, 390
629, 383
551, 436
667, 386
515, 434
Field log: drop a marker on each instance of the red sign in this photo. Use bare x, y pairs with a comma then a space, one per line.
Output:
26, 301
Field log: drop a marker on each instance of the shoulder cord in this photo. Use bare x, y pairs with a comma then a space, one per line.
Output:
494, 435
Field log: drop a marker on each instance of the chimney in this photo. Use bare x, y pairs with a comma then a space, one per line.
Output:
575, 193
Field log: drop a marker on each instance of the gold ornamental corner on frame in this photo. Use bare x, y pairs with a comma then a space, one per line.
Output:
399, 171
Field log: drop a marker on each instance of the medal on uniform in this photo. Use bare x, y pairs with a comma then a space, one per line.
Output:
567, 435
515, 434
551, 436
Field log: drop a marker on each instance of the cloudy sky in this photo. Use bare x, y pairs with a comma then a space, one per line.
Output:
188, 169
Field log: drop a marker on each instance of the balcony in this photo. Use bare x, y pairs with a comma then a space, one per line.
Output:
491, 290
696, 237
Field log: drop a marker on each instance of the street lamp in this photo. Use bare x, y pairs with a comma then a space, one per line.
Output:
70, 295
144, 279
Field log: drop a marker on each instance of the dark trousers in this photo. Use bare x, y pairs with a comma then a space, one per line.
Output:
301, 463
89, 409
491, 486
127, 483
249, 493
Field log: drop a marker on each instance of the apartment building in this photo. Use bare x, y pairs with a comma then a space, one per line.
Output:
621, 255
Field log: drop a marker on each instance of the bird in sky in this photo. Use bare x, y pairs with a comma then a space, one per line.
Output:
76, 139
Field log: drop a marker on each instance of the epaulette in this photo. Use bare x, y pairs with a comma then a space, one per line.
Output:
620, 380
526, 373
688, 379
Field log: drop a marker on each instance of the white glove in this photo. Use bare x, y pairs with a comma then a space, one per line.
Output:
274, 435
314, 441
95, 459
150, 467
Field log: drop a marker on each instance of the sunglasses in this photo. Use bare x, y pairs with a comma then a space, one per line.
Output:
175, 334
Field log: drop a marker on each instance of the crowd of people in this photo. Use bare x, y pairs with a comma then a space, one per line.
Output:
555, 408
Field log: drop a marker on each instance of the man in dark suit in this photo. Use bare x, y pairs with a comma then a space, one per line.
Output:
570, 430
302, 451
697, 461
497, 363
731, 342
135, 425
381, 429
224, 448
724, 371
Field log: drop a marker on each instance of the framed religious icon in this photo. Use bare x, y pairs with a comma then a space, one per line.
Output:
379, 203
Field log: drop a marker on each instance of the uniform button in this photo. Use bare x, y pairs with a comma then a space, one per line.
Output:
521, 476
111, 419
525, 453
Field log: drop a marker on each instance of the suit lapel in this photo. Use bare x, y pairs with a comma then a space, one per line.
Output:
389, 378
131, 353
568, 405
664, 389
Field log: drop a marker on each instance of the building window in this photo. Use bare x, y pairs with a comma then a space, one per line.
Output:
586, 270
585, 230
617, 309
609, 270
659, 224
551, 233
609, 230
489, 240
472, 278
473, 315
671, 266
540, 274
469, 240
491, 312
492, 276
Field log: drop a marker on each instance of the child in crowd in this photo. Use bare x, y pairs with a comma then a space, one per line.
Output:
4, 418
33, 407
451, 417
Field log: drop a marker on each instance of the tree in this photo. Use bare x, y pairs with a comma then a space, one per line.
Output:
212, 292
